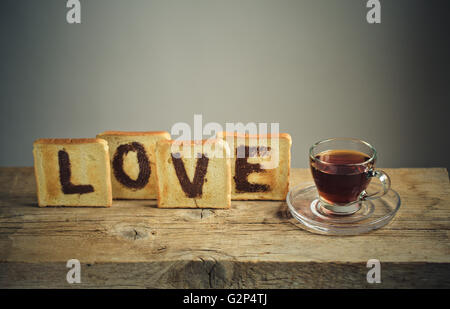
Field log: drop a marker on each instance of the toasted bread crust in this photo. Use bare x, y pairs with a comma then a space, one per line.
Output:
134, 133
69, 141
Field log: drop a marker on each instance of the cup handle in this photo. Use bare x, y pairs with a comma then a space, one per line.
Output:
385, 182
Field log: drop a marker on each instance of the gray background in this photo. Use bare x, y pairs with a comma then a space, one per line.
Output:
316, 67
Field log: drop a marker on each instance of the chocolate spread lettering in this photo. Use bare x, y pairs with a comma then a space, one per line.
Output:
243, 169
64, 176
144, 166
192, 189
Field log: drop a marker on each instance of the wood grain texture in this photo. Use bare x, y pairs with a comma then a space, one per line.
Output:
255, 244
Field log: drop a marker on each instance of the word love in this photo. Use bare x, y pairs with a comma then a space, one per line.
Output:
142, 165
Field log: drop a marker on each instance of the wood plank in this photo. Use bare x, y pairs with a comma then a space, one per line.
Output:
254, 244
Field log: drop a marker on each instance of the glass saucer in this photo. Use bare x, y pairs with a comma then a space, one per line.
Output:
304, 205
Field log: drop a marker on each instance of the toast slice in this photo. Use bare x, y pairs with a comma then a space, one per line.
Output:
72, 172
133, 166
260, 165
193, 174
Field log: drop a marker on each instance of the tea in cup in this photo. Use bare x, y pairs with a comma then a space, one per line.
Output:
342, 169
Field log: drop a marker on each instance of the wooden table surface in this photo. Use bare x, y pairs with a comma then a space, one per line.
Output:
254, 244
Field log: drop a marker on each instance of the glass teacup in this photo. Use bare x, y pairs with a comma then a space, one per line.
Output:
342, 169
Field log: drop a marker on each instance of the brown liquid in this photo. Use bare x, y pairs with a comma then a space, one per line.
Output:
337, 180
